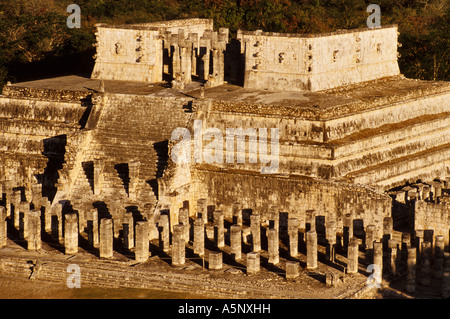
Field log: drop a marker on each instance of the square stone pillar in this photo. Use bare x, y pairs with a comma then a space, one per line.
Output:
34, 242
352, 256
236, 242
274, 218
3, 227
369, 240
199, 237
446, 276
425, 264
183, 219
92, 228
439, 246
70, 234
293, 224
411, 270
419, 240
164, 232
255, 226
348, 229
292, 269
99, 167
392, 256
201, 210
253, 263
237, 214
330, 235
133, 174
57, 221
47, 214
215, 260
310, 220
142, 246
24, 209
273, 249
378, 261
16, 198
406, 244
178, 246
128, 230
388, 228
219, 229
311, 249
106, 238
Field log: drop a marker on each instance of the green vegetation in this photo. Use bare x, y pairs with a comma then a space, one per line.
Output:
35, 41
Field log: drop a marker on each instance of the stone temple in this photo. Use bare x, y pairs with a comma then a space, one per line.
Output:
362, 153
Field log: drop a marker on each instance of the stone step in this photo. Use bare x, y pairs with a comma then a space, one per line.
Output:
425, 165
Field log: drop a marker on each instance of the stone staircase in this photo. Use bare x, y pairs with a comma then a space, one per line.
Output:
34, 129
130, 129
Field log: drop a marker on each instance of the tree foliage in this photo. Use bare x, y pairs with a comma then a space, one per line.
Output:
35, 30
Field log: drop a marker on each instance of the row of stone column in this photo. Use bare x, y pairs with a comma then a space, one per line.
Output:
186, 51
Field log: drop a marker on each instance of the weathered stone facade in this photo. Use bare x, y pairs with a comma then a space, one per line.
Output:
97, 154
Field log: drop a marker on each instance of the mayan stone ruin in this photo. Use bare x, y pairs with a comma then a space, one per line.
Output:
267, 165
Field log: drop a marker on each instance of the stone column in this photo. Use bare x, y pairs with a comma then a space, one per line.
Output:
106, 238
70, 234
128, 230
142, 243
369, 240
201, 210
215, 260
292, 269
16, 199
311, 249
310, 220
388, 228
392, 253
98, 176
425, 267
255, 226
348, 229
237, 214
419, 240
183, 218
3, 227
439, 246
411, 270
378, 261
219, 229
406, 244
92, 227
57, 221
236, 242
199, 237
34, 242
164, 242
24, 209
446, 276
293, 236
36, 195
178, 246
47, 214
330, 234
273, 249
133, 173
274, 218
253, 262
352, 256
